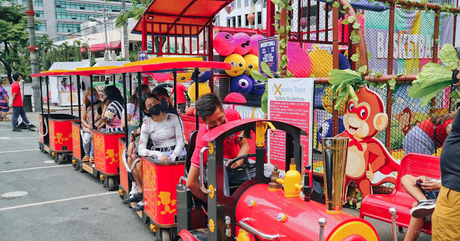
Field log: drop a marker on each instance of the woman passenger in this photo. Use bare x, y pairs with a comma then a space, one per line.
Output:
87, 121
165, 133
113, 111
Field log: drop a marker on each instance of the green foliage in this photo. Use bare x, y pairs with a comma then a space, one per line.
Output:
135, 12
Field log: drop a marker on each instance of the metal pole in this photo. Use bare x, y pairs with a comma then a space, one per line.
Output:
106, 55
92, 106
197, 120
175, 88
79, 101
139, 90
48, 103
125, 34
33, 52
394, 226
71, 95
41, 100
126, 112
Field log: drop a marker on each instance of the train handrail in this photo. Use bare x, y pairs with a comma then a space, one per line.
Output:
182, 179
256, 232
203, 189
46, 128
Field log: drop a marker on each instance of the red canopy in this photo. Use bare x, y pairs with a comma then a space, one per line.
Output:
115, 45
184, 12
97, 47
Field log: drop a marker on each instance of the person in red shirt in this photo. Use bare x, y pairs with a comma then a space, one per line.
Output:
209, 108
428, 135
18, 105
180, 96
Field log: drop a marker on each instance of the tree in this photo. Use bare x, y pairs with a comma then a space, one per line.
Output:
136, 12
14, 39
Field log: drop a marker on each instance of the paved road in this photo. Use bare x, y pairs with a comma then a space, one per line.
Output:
62, 204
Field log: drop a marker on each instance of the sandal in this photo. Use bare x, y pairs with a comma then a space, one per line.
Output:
6, 119
91, 159
85, 159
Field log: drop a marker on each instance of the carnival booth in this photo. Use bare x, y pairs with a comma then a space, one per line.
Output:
62, 90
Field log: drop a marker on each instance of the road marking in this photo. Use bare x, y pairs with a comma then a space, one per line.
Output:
14, 194
34, 168
2, 152
56, 201
19, 138
49, 162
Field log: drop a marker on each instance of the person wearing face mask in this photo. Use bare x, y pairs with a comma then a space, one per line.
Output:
165, 133
114, 109
209, 108
87, 114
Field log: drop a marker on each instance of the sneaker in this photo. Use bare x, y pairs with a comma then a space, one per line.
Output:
31, 125
133, 189
139, 206
424, 208
30, 128
17, 130
135, 198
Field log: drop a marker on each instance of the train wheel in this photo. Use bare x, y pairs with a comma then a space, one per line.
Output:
111, 183
165, 235
56, 157
59, 158
40, 146
80, 167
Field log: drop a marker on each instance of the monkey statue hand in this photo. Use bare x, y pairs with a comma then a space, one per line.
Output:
370, 173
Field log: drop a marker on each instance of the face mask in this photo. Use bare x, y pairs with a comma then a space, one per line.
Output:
155, 110
94, 98
164, 105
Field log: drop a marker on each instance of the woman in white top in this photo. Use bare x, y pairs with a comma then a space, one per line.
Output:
165, 132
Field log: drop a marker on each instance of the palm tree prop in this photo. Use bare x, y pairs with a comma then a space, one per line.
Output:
343, 84
434, 77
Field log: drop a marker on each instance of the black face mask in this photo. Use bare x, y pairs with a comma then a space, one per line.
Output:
155, 110
454, 76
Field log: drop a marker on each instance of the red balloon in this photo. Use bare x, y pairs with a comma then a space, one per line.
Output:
224, 43
254, 42
242, 43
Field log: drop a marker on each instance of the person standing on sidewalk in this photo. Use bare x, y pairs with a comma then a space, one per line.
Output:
181, 89
18, 105
4, 103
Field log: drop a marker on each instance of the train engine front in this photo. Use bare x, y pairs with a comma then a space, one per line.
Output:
271, 212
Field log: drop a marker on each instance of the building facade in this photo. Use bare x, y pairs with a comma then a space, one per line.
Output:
236, 14
61, 19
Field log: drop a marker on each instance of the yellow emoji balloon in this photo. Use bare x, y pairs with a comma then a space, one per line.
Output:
183, 77
252, 62
238, 65
203, 88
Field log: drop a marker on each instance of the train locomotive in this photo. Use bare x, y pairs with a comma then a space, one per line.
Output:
260, 208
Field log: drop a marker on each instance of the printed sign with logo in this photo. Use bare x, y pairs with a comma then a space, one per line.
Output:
142, 55
290, 101
268, 53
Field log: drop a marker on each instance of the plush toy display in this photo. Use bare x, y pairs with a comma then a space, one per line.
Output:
241, 84
242, 43
252, 62
343, 62
224, 44
238, 65
299, 61
321, 62
258, 87
236, 98
203, 76
203, 89
183, 77
254, 43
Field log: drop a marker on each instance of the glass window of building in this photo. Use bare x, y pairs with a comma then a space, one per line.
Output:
63, 27
228, 22
40, 27
246, 3
259, 17
239, 21
38, 3
39, 14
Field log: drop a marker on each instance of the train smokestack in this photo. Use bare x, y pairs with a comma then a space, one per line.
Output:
335, 151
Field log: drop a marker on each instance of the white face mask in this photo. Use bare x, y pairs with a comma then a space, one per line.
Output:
21, 81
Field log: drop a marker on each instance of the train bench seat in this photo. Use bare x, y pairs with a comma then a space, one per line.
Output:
377, 205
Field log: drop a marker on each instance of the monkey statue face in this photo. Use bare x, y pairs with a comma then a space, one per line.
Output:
365, 117
355, 118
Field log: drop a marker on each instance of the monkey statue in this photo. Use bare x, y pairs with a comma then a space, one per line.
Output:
368, 161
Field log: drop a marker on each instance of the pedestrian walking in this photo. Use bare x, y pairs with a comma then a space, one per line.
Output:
4, 103
18, 105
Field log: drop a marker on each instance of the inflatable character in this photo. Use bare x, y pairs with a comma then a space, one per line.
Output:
242, 43
224, 44
258, 87
368, 161
238, 65
203, 76
241, 84
252, 63
404, 119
